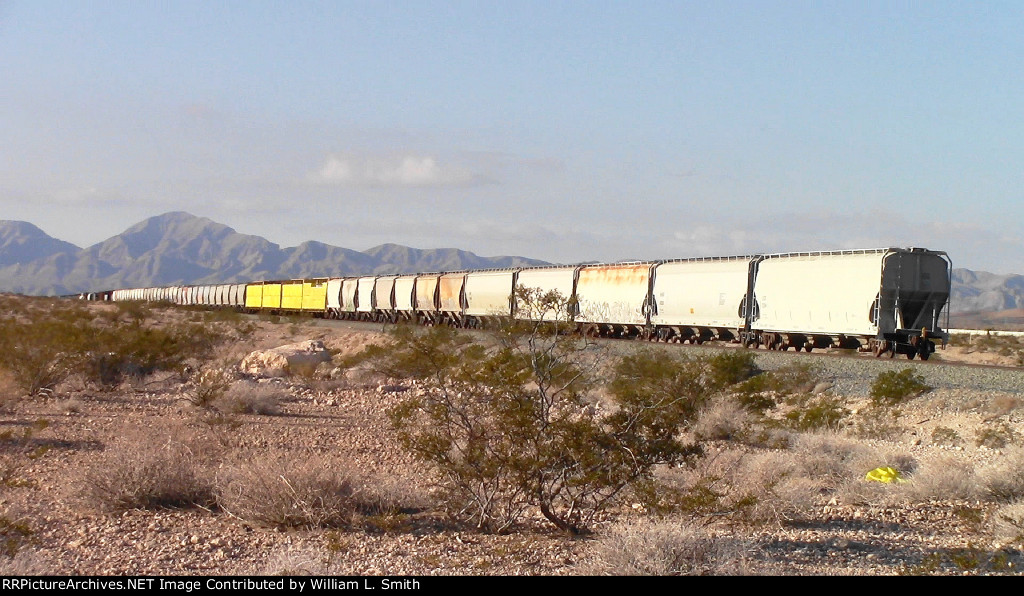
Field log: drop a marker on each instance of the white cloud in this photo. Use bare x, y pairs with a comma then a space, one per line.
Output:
407, 170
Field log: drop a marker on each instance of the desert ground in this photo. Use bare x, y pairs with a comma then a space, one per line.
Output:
785, 489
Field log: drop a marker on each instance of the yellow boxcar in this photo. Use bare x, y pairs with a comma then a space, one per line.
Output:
272, 294
314, 294
291, 295
254, 295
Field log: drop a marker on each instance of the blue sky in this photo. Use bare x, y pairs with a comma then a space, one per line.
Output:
563, 131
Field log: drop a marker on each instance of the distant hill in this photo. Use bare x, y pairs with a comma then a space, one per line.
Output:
180, 248
22, 242
980, 291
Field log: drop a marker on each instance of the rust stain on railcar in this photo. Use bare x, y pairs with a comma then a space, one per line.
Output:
451, 292
615, 275
425, 290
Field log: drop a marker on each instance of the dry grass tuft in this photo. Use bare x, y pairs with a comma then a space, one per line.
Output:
293, 491
147, 473
722, 420
943, 477
668, 547
245, 397
1008, 522
1003, 479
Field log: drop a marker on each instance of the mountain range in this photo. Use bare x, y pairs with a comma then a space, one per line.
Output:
179, 248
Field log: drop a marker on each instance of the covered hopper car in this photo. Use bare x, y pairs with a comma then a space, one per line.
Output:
886, 300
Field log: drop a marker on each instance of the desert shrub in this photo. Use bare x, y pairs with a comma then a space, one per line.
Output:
959, 339
833, 466
510, 425
42, 352
147, 472
1004, 404
759, 392
15, 533
892, 386
304, 491
943, 435
722, 420
943, 477
250, 398
208, 387
756, 394
668, 547
731, 367
996, 436
136, 350
133, 310
41, 348
820, 412
1003, 479
878, 422
710, 488
1008, 522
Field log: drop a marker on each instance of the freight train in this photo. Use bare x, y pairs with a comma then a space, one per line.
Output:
886, 300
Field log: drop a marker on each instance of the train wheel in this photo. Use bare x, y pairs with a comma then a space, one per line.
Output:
910, 355
808, 347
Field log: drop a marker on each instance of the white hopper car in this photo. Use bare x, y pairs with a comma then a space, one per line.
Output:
887, 300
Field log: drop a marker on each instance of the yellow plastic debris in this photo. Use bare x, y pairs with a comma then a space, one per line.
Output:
884, 474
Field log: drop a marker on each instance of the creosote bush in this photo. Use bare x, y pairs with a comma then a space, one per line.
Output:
892, 387
41, 347
511, 424
820, 412
759, 392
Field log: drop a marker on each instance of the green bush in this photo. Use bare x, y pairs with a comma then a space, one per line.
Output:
510, 424
943, 435
42, 351
756, 393
818, 413
731, 367
996, 436
44, 343
891, 387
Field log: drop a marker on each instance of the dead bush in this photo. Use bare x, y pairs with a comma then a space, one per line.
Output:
209, 386
995, 436
943, 477
147, 473
668, 547
25, 562
1003, 480
245, 397
1008, 522
722, 420
294, 491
